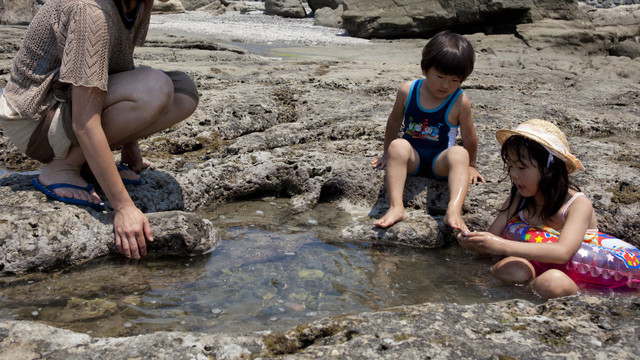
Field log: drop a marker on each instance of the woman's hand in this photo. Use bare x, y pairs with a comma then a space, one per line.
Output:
132, 231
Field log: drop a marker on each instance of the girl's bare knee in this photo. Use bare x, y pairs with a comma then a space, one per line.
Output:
554, 283
513, 270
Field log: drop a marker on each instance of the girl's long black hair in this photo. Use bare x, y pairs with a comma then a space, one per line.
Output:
554, 179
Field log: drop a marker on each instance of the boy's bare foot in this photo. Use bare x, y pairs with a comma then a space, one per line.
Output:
391, 217
455, 221
57, 171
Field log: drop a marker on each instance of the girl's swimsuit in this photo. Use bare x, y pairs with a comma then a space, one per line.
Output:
428, 130
541, 267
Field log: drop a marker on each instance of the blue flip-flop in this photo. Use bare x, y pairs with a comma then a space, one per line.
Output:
123, 167
48, 190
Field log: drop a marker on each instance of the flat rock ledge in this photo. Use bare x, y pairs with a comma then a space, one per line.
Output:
577, 327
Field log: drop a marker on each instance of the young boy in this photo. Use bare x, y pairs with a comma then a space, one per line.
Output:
430, 112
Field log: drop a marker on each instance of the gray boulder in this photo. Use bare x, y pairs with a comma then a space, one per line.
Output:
285, 8
40, 235
18, 12
327, 16
196, 4
598, 32
629, 48
621, 21
411, 18
169, 7
319, 4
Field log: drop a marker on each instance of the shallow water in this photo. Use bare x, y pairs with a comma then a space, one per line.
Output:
279, 271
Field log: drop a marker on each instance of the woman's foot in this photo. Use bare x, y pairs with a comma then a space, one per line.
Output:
59, 172
131, 156
392, 216
127, 175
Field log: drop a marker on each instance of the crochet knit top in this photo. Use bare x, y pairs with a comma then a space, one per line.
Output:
77, 42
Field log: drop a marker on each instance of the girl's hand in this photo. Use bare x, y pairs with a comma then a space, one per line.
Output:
482, 242
379, 162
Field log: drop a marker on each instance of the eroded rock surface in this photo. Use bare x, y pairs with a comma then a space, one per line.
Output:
575, 327
305, 126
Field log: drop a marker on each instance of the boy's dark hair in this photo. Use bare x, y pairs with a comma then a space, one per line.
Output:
449, 53
554, 179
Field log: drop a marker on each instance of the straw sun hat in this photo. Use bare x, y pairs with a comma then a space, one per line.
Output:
547, 135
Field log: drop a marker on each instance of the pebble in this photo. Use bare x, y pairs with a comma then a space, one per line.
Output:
216, 311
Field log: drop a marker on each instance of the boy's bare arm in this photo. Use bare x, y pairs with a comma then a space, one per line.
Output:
394, 122
469, 138
467, 130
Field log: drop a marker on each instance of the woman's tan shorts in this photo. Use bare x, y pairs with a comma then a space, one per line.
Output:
52, 136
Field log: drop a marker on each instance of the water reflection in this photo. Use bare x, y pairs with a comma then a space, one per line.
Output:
273, 270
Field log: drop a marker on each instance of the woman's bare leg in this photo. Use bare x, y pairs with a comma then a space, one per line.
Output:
138, 103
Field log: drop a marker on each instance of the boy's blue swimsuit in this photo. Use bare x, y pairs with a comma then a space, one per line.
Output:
428, 131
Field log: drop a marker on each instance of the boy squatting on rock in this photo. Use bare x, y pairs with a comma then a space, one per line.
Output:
74, 93
430, 111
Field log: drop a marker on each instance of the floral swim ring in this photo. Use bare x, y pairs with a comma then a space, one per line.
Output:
602, 260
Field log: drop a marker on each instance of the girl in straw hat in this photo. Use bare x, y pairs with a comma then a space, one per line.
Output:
537, 158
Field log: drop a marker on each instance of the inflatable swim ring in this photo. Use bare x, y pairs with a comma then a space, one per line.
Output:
602, 260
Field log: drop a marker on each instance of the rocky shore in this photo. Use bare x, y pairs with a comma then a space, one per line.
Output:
303, 122
570, 328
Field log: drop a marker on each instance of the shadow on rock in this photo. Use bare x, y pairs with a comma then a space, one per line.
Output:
40, 234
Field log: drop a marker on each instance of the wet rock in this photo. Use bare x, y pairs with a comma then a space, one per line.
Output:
181, 233
585, 326
310, 274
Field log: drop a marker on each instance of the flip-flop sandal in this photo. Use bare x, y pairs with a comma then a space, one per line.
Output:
48, 190
123, 167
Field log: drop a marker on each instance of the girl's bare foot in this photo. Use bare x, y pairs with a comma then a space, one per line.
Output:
392, 216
